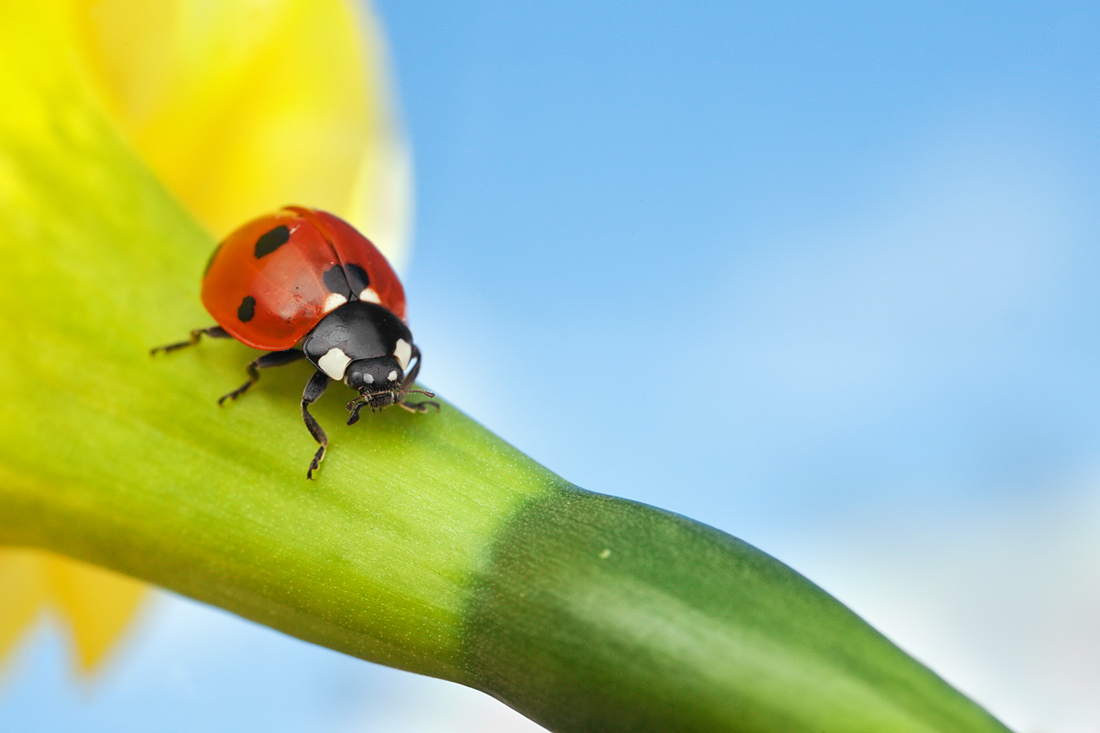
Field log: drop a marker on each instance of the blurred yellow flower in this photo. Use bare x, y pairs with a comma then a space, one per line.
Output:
238, 107
97, 603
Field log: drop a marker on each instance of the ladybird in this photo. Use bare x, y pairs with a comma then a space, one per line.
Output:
303, 283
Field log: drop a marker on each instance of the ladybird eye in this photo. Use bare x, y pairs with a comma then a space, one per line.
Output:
359, 376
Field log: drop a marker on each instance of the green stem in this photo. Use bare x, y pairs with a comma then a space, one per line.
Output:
599, 614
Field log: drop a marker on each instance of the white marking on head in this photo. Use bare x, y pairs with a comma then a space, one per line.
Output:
368, 378
392, 376
333, 301
334, 363
370, 296
403, 352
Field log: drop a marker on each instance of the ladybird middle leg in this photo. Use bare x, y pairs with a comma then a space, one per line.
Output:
271, 359
314, 389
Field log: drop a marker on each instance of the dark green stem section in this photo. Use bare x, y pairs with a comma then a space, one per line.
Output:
600, 614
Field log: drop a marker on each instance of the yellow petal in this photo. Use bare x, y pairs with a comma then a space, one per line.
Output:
22, 594
242, 107
98, 604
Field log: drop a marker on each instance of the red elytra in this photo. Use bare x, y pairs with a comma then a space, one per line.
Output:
273, 279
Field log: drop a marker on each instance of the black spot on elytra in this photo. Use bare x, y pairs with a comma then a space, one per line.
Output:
247, 309
272, 240
357, 278
336, 281
211, 260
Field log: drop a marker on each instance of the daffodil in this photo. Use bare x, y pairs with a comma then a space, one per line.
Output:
133, 131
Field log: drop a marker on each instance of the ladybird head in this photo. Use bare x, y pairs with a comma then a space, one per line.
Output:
379, 382
377, 375
376, 393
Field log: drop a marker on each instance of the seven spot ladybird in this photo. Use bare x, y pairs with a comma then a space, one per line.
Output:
302, 283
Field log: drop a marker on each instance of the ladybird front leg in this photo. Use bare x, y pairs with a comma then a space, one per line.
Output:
214, 332
314, 389
407, 388
354, 407
271, 359
410, 376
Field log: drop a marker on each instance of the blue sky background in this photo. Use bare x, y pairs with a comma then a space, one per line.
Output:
823, 277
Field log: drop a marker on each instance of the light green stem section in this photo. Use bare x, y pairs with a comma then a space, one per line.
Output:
127, 461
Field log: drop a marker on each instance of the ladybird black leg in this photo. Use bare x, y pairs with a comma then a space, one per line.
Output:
421, 406
354, 407
406, 387
214, 332
271, 359
410, 378
314, 389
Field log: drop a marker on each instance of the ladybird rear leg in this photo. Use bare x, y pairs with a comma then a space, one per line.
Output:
270, 359
314, 389
214, 332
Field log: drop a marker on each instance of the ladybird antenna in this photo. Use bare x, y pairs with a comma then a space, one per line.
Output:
419, 391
